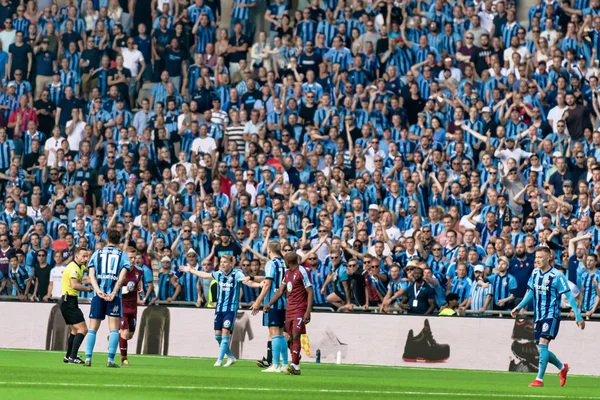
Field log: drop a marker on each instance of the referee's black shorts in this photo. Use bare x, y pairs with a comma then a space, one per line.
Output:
70, 310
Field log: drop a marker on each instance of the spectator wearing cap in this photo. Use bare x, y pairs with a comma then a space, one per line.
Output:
168, 283
481, 296
56, 89
46, 64
504, 285
227, 245
191, 285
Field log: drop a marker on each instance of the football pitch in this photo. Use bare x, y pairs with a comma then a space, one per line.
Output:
26, 374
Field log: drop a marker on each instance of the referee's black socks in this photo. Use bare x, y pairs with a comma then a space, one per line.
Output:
76, 344
70, 345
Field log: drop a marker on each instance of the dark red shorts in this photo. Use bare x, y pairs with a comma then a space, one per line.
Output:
295, 325
129, 320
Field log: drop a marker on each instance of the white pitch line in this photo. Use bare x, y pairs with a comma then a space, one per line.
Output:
338, 391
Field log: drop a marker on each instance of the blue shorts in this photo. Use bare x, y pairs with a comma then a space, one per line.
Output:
100, 308
546, 329
274, 318
225, 320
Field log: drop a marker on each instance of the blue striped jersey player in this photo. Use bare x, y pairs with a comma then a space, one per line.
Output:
107, 269
546, 286
587, 282
229, 281
275, 318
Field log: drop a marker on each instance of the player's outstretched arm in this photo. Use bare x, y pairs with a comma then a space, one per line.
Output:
528, 297
200, 274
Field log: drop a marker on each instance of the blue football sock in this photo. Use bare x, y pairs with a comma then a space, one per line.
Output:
275, 350
543, 350
90, 343
224, 347
113, 343
554, 360
283, 349
218, 338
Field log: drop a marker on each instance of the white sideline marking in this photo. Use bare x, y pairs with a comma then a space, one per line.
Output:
339, 391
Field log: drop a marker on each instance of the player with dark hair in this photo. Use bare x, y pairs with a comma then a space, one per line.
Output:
299, 292
275, 319
72, 284
229, 279
131, 298
546, 287
107, 269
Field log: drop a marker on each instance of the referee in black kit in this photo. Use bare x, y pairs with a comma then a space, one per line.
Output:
72, 284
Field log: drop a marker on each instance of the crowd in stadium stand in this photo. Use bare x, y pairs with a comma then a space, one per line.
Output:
380, 140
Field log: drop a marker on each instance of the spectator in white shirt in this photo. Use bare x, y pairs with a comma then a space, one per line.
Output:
203, 144
74, 129
52, 145
133, 60
55, 285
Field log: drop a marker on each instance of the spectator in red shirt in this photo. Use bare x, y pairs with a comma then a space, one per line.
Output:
22, 115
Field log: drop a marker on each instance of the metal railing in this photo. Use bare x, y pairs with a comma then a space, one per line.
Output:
177, 303
469, 313
330, 309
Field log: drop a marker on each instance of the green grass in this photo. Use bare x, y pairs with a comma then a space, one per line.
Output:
26, 374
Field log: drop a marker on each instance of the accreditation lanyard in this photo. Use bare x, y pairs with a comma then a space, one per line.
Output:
416, 301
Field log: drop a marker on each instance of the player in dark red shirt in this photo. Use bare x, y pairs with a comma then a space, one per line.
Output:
132, 285
299, 291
